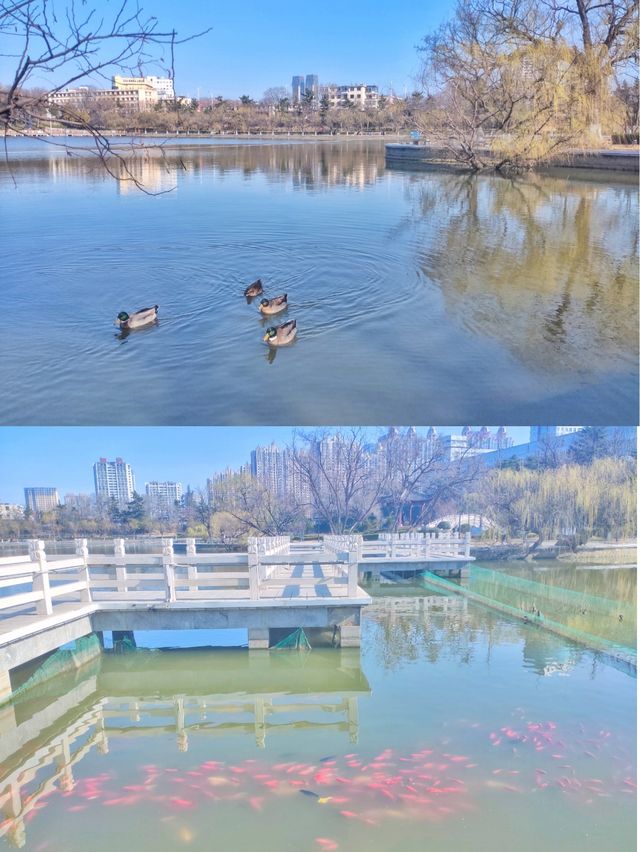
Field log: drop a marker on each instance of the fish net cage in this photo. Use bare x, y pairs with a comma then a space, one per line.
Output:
595, 621
60, 662
297, 641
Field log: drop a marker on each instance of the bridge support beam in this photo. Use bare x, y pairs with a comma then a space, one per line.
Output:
5, 686
349, 635
258, 638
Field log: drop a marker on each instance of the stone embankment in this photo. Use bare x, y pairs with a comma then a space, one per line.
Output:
429, 157
601, 553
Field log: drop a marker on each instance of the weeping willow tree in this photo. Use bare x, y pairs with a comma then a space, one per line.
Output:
511, 84
597, 499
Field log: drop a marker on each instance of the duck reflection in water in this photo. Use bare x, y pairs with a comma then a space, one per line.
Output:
125, 332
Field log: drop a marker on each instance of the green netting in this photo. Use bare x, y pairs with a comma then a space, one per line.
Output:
590, 614
297, 640
547, 593
498, 598
62, 660
124, 645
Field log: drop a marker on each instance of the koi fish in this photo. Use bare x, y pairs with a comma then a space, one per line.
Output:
181, 804
326, 843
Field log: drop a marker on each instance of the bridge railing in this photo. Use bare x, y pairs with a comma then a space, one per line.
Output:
427, 546
258, 549
347, 549
35, 583
166, 575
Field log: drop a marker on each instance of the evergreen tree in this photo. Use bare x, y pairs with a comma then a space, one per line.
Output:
591, 443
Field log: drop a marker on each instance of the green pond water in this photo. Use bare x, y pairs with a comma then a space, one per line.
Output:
442, 297
453, 727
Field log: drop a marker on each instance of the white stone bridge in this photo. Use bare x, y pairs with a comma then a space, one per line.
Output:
47, 600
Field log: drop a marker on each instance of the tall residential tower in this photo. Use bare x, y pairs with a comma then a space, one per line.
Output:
114, 481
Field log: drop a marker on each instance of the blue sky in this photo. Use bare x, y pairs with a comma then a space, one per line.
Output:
255, 44
62, 456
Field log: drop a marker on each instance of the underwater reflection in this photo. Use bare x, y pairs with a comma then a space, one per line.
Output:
547, 265
47, 734
164, 166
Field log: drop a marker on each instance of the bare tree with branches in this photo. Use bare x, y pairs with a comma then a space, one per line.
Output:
334, 468
423, 472
68, 42
255, 507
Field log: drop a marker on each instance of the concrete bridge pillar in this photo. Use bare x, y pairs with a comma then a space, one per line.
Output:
349, 635
5, 686
258, 638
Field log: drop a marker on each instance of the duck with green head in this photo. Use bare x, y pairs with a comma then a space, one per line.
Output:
140, 318
273, 306
282, 335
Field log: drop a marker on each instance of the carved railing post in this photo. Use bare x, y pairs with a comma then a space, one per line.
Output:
41, 577
168, 564
192, 569
82, 551
120, 558
255, 578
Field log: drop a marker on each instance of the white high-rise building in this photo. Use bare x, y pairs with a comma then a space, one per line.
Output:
114, 480
162, 496
269, 466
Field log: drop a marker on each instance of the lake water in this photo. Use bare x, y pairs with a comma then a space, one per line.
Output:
454, 728
420, 297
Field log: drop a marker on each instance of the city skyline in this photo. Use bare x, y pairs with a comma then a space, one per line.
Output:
257, 46
63, 457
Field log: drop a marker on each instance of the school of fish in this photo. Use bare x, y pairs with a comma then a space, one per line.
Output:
429, 784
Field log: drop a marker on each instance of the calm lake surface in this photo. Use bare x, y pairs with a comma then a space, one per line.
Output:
420, 297
455, 728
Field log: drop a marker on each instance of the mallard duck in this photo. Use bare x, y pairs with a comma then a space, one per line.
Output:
273, 306
137, 319
281, 335
254, 289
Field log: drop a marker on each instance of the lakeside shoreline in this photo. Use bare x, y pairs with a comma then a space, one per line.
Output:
621, 161
616, 554
426, 157
268, 135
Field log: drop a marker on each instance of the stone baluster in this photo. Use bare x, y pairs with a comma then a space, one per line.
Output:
352, 575
41, 577
192, 569
254, 569
168, 564
82, 551
121, 566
